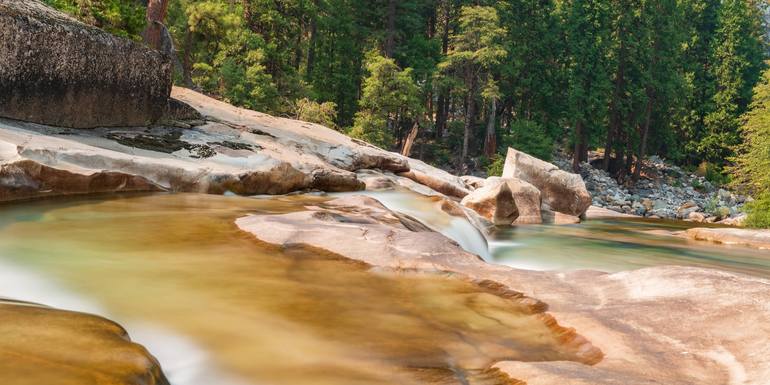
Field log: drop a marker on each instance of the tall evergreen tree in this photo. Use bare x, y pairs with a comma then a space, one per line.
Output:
751, 171
475, 48
738, 52
588, 37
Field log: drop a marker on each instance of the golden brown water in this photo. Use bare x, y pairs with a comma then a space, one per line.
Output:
264, 315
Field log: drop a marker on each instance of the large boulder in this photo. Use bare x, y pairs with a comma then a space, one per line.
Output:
561, 191
57, 71
506, 201
528, 199
41, 345
494, 202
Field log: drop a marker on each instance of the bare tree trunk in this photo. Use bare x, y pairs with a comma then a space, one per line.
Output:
409, 142
156, 13
490, 141
390, 31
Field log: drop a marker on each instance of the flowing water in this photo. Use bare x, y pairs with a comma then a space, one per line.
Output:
217, 306
620, 244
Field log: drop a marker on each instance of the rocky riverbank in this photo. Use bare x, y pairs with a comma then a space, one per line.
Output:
664, 191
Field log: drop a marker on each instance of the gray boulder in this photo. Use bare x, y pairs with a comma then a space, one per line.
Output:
57, 71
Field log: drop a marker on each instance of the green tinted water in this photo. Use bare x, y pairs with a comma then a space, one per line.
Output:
259, 314
616, 245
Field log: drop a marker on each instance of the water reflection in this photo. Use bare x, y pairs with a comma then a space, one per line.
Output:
263, 314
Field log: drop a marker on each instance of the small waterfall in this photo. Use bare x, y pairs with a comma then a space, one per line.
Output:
182, 360
428, 211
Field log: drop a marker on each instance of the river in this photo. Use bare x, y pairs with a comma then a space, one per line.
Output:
216, 306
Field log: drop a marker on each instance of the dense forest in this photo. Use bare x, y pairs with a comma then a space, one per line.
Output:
455, 82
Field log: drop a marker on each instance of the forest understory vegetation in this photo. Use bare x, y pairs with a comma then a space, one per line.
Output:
456, 82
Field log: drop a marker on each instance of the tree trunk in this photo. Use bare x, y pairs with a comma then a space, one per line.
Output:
390, 31
409, 142
490, 141
443, 98
441, 114
246, 12
615, 118
580, 146
187, 59
313, 41
470, 108
156, 13
643, 142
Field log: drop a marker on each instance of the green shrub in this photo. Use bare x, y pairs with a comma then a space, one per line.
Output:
311, 111
372, 129
712, 206
759, 212
495, 167
696, 184
530, 137
717, 177
124, 18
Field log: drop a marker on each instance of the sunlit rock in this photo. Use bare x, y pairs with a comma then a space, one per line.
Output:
494, 202
506, 201
230, 149
562, 191
730, 236
383, 239
41, 345
556, 218
472, 182
661, 325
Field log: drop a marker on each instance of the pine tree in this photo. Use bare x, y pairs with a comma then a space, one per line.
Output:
751, 171
588, 38
738, 51
475, 48
389, 105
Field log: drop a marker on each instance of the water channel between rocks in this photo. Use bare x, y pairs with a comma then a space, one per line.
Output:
217, 306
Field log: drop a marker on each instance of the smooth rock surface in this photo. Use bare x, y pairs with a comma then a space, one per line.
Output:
55, 70
528, 199
377, 236
753, 238
556, 218
663, 325
506, 201
495, 202
562, 191
41, 345
595, 212
235, 150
